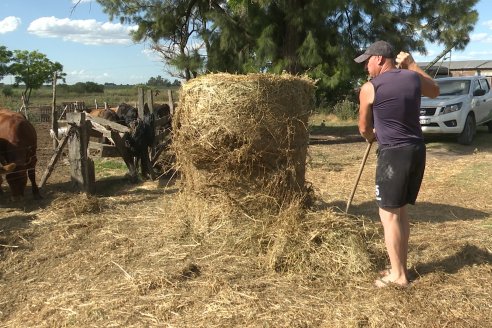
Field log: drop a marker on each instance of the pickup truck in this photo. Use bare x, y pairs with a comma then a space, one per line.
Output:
463, 104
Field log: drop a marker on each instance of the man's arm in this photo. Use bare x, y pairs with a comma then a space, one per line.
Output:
366, 99
427, 84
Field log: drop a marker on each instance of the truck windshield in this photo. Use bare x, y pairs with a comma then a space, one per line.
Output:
454, 88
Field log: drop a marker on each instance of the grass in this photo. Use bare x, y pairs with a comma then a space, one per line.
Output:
112, 95
318, 120
474, 174
110, 167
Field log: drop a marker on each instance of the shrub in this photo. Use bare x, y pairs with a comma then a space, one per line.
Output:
346, 110
7, 91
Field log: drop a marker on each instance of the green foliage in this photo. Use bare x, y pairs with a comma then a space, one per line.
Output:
317, 37
110, 165
5, 58
158, 81
7, 91
346, 110
33, 69
161, 82
86, 87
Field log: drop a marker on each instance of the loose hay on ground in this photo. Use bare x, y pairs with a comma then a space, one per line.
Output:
330, 245
141, 258
141, 265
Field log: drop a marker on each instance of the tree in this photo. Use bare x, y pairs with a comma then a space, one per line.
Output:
158, 82
316, 37
5, 58
7, 92
171, 27
33, 69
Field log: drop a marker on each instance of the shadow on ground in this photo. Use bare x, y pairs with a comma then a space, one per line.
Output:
107, 187
15, 222
328, 135
422, 212
467, 256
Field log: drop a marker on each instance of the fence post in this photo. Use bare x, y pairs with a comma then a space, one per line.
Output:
150, 101
81, 166
54, 114
170, 101
140, 102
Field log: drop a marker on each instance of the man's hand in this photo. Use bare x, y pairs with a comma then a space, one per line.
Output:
370, 136
404, 60
429, 87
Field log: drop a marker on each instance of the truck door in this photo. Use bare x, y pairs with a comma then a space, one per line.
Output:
484, 84
481, 101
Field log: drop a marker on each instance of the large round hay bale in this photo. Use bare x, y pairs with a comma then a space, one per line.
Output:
244, 134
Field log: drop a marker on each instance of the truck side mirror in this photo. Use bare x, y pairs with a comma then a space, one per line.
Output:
478, 92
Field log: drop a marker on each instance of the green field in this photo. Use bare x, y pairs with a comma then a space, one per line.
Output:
112, 95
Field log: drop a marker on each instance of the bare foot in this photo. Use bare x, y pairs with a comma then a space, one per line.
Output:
388, 280
387, 272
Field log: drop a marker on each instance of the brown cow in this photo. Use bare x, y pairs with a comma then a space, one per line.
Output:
107, 114
18, 144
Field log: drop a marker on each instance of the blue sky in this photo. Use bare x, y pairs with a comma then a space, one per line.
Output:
83, 40
92, 48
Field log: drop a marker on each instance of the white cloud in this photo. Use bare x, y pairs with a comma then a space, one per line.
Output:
83, 76
152, 54
80, 72
483, 53
488, 24
9, 24
88, 31
481, 37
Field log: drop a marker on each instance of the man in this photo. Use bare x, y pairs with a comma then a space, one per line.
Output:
389, 113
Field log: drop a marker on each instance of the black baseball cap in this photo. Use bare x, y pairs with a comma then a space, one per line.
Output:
378, 48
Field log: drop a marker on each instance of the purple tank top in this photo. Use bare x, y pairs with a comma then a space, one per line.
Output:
396, 108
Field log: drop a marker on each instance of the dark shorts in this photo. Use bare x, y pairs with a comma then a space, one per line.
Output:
399, 174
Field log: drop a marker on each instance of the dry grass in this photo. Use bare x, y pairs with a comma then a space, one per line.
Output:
152, 256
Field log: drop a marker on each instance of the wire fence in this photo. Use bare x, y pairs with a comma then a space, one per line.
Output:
43, 113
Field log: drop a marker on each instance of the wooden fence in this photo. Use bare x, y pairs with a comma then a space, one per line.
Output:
83, 134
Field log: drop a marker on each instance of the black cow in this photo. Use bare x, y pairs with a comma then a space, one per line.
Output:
141, 136
161, 110
126, 113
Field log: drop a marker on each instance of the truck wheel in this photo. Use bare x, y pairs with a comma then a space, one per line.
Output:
466, 136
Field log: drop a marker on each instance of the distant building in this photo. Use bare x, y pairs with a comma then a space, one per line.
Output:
460, 68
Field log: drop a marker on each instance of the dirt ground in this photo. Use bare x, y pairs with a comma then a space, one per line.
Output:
125, 257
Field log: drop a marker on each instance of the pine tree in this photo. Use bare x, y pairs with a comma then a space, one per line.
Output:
317, 37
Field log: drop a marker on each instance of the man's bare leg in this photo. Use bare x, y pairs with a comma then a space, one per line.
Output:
405, 224
396, 234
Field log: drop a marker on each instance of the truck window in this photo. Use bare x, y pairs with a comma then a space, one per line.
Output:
453, 87
485, 85
477, 86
